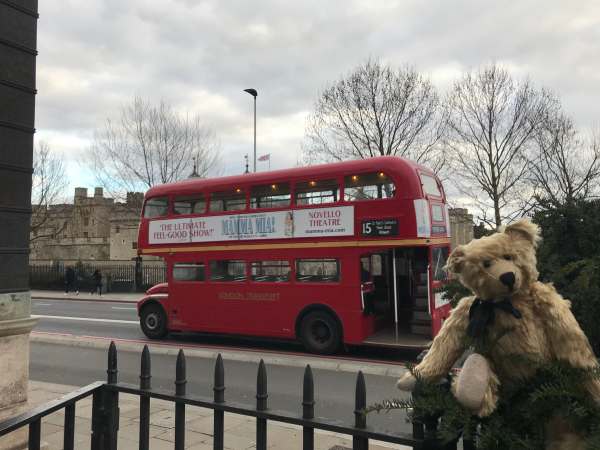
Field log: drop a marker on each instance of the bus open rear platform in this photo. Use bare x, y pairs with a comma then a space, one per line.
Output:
388, 338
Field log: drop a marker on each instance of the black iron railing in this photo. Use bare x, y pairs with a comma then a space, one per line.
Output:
127, 276
105, 412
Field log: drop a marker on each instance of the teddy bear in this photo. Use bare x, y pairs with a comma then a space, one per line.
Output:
520, 315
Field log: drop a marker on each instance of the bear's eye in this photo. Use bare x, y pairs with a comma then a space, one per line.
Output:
487, 263
508, 257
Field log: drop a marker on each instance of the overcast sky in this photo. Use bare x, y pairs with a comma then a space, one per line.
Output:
95, 55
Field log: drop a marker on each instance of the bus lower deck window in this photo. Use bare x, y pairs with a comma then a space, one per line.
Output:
228, 270
270, 271
317, 270
156, 207
368, 186
189, 204
188, 271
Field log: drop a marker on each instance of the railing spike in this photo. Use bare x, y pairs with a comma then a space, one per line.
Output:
360, 402
112, 363
261, 387
219, 384
145, 371
180, 380
308, 394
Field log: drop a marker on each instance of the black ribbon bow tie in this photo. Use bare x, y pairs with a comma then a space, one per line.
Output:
482, 314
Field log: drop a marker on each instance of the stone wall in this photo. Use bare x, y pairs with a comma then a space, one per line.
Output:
84, 229
461, 226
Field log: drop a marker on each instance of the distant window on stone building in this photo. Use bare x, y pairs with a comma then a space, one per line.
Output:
85, 234
134, 245
86, 222
117, 229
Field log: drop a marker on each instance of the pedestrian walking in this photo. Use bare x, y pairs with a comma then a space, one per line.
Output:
71, 281
97, 277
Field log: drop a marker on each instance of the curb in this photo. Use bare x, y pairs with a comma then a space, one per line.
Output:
83, 299
367, 367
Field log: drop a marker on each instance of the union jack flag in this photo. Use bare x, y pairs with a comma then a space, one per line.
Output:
266, 157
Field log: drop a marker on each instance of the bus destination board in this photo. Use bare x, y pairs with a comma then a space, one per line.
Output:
380, 227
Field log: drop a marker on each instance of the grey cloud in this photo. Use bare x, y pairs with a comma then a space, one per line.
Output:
290, 50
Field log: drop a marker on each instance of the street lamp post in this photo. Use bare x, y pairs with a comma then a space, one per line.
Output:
254, 94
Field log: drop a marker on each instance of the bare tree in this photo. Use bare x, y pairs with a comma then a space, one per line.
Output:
148, 145
564, 166
49, 182
492, 125
374, 111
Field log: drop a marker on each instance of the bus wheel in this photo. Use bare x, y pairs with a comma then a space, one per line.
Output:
153, 321
320, 333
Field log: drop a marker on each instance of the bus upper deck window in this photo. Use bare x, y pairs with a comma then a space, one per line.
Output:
437, 213
156, 207
430, 185
317, 192
228, 201
368, 186
189, 204
276, 195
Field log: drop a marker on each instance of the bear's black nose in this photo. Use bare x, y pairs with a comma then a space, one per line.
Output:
508, 279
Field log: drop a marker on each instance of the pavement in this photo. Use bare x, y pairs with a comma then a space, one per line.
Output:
119, 297
239, 430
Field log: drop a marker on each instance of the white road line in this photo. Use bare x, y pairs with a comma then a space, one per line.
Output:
118, 307
43, 304
85, 319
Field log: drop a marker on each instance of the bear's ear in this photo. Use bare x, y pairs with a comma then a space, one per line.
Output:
524, 229
456, 260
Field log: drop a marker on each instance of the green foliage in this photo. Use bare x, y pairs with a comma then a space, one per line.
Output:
454, 291
569, 256
523, 411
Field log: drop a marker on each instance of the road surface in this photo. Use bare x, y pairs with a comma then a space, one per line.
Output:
74, 365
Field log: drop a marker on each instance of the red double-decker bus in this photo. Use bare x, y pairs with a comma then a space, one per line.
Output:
344, 253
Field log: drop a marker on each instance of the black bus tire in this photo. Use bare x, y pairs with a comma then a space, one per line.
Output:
153, 321
320, 333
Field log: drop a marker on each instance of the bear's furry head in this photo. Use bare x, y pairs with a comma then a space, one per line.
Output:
499, 265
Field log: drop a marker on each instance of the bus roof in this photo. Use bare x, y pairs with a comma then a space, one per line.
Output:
391, 165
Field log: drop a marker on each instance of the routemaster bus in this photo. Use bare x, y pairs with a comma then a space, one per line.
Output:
348, 253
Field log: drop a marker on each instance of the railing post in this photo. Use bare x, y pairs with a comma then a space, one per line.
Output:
360, 419
308, 409
111, 399
145, 384
261, 405
69, 431
35, 434
97, 439
219, 397
180, 384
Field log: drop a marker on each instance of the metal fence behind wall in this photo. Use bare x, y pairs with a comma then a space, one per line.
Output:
116, 276
105, 412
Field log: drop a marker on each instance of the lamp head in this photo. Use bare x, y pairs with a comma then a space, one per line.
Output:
251, 91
